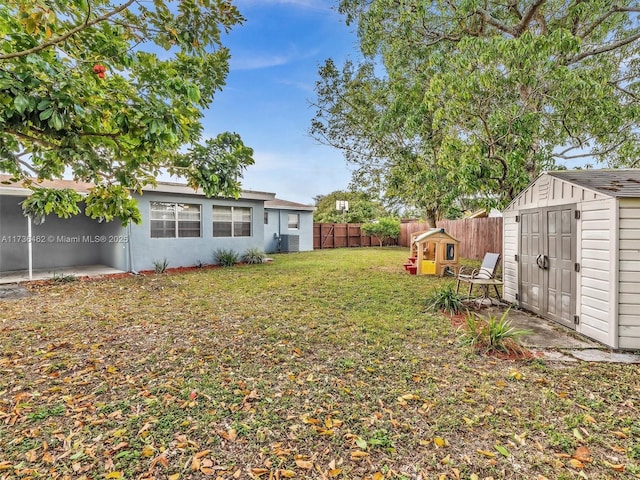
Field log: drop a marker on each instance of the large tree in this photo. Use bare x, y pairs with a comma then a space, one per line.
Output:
361, 208
113, 93
365, 116
511, 87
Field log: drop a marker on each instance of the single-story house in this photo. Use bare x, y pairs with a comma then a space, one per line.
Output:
288, 226
178, 223
571, 252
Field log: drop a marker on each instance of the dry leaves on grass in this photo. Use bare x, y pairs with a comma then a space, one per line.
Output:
322, 366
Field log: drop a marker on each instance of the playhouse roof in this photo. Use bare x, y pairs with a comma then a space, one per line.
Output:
434, 232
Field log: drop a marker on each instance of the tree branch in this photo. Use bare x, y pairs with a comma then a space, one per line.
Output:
563, 155
73, 31
595, 24
527, 17
30, 138
28, 166
495, 22
604, 49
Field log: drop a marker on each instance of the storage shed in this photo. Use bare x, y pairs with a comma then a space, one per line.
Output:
571, 252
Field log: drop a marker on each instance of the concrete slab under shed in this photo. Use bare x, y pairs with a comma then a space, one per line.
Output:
556, 342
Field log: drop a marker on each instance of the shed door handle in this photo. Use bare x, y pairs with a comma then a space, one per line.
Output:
541, 261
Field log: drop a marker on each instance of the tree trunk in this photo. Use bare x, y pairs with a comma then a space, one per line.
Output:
430, 217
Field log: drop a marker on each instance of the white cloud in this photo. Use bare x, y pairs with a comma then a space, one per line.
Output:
239, 62
304, 86
255, 61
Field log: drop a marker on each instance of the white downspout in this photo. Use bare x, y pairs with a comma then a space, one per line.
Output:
130, 250
29, 247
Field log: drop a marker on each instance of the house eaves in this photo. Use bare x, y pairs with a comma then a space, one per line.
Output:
17, 188
279, 204
182, 189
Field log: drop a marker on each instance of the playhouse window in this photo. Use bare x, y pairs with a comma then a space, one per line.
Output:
450, 252
429, 251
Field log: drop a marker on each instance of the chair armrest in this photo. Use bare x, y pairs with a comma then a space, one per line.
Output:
467, 276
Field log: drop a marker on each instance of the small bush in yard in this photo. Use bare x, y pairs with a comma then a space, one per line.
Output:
385, 229
493, 335
253, 256
225, 257
63, 278
445, 299
160, 266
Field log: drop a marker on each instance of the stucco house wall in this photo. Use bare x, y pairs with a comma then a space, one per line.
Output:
276, 225
80, 240
145, 250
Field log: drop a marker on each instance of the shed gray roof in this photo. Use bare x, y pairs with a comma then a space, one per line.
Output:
614, 183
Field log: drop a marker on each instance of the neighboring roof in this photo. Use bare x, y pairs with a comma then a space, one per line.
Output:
434, 232
17, 188
614, 183
280, 204
478, 214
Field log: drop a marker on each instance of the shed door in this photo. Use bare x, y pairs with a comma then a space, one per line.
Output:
547, 259
530, 274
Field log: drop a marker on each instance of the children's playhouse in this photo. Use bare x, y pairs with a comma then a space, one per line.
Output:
433, 252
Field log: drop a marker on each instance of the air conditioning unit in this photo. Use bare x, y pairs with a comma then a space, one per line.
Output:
290, 243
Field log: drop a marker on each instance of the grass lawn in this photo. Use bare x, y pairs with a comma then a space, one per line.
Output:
323, 364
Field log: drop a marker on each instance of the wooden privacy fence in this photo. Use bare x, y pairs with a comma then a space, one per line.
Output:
338, 235
477, 235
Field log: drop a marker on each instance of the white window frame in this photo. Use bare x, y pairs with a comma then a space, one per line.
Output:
295, 224
176, 220
237, 220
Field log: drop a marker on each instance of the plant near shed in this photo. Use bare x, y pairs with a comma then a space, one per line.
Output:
492, 335
446, 299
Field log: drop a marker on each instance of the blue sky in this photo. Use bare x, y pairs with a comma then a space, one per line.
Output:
275, 57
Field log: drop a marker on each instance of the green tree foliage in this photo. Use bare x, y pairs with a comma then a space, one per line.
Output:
83, 93
361, 208
364, 116
508, 88
386, 228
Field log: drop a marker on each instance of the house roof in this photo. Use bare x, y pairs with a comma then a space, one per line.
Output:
17, 188
613, 182
183, 189
279, 204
